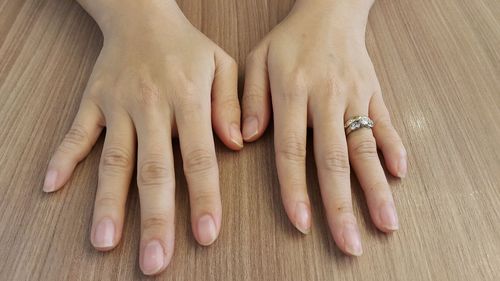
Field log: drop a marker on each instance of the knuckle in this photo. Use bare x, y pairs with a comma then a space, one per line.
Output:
254, 92
254, 96
153, 172
384, 125
190, 105
148, 93
116, 159
189, 87
204, 197
335, 160
376, 187
294, 186
189, 96
199, 161
328, 102
229, 103
293, 149
365, 149
73, 138
94, 89
356, 89
327, 95
332, 87
343, 205
155, 221
95, 86
353, 87
254, 55
230, 62
107, 199
341, 89
226, 65
295, 86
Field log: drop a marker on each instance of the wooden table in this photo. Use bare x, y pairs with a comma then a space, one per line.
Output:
439, 65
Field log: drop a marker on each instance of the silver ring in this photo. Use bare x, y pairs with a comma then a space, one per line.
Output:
357, 122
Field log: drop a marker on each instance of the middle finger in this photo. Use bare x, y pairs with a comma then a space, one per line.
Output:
332, 161
156, 183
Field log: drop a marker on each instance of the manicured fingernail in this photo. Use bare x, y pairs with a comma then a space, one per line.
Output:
303, 217
154, 258
104, 234
235, 133
402, 167
250, 128
49, 184
352, 240
207, 231
388, 217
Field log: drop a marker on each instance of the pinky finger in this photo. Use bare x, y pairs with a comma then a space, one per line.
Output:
387, 138
75, 146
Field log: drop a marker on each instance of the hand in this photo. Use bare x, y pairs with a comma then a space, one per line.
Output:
320, 75
156, 77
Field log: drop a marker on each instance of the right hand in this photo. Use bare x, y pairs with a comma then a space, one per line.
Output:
315, 71
157, 77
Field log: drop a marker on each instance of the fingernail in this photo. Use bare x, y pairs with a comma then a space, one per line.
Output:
154, 257
49, 184
303, 217
104, 233
235, 133
250, 128
388, 217
207, 231
352, 240
402, 168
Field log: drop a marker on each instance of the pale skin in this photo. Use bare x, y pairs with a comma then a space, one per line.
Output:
158, 77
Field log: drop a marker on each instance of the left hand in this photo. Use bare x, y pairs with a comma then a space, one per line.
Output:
157, 77
317, 70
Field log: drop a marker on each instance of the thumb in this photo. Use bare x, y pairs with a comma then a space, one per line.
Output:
256, 95
226, 112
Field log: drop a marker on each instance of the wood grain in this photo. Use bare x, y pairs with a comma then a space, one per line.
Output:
439, 65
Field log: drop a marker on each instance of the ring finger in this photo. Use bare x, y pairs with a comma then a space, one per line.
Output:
366, 164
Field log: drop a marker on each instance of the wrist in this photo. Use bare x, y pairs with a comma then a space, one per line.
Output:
125, 16
355, 9
346, 15
356, 4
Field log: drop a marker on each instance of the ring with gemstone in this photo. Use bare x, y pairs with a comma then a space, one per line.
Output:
357, 122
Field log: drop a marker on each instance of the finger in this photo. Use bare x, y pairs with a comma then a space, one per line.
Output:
200, 168
330, 150
290, 122
364, 159
387, 138
156, 183
115, 172
256, 95
77, 143
226, 112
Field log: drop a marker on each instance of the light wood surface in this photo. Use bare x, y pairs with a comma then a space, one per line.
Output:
438, 62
